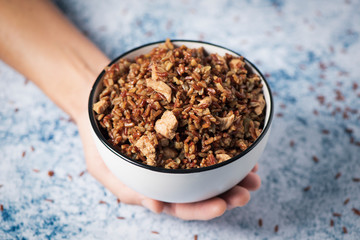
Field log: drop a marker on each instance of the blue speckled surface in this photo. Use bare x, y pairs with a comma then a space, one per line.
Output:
309, 51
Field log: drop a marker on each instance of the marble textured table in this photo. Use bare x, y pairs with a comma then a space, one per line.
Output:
309, 52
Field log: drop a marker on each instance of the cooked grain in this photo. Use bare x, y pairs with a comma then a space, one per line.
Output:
184, 99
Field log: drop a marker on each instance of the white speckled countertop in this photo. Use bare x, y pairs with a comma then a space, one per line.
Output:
309, 52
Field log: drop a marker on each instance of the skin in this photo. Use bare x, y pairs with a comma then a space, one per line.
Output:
40, 43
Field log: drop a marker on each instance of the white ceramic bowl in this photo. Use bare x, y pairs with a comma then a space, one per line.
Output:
186, 185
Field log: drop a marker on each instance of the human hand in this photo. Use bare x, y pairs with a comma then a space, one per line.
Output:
208, 209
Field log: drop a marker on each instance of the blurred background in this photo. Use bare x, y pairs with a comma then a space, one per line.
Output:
309, 51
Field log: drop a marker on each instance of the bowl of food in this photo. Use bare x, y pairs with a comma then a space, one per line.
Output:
180, 121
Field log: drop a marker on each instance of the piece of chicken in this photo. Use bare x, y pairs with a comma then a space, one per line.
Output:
148, 149
167, 125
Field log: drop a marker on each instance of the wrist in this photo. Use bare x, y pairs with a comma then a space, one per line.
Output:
76, 104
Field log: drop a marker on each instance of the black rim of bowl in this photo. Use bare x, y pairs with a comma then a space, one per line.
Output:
95, 125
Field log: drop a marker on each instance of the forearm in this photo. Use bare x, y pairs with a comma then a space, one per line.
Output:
38, 41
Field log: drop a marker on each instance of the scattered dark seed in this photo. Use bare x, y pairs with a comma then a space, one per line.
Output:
331, 223
279, 115
356, 179
322, 66
276, 229
346, 201
321, 99
344, 230
260, 222
348, 130
118, 200
315, 159
23, 154
82, 173
355, 86
49, 200
356, 211
292, 143
1, 185
307, 188
195, 237
51, 173
283, 106
316, 112
1, 207
338, 175
102, 202
154, 232
121, 218
339, 96
336, 214
325, 131
351, 110
70, 177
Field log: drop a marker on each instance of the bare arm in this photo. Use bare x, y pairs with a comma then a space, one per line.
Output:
41, 44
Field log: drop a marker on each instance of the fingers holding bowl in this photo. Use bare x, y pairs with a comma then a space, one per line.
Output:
251, 182
236, 197
203, 210
255, 169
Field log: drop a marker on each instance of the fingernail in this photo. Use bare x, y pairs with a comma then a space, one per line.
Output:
147, 204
